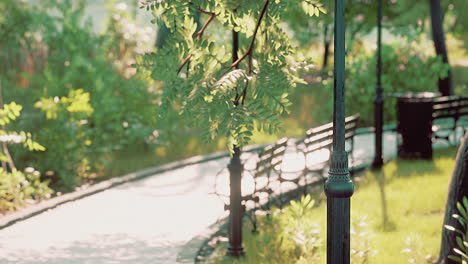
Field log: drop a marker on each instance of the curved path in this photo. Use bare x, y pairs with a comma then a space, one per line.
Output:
146, 221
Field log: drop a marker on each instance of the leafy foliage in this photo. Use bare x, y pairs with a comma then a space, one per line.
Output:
404, 69
8, 113
225, 98
461, 251
92, 101
18, 188
297, 239
294, 239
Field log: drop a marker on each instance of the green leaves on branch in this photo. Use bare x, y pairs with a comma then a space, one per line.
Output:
201, 83
8, 113
76, 102
461, 251
313, 7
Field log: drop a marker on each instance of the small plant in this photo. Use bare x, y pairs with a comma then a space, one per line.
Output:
415, 249
462, 240
294, 239
17, 188
361, 248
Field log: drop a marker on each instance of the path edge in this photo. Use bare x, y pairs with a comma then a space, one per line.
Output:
30, 211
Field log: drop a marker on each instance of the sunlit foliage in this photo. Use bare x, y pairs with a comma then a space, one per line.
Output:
203, 83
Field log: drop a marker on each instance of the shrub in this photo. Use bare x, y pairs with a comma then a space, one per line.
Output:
404, 69
461, 250
18, 188
91, 103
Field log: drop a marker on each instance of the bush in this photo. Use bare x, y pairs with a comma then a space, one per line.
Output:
91, 102
404, 69
18, 188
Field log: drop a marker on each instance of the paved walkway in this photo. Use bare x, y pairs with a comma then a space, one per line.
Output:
147, 221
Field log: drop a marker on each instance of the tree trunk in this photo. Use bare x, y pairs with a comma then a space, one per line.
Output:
326, 47
457, 189
437, 22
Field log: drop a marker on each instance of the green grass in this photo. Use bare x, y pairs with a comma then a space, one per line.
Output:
415, 194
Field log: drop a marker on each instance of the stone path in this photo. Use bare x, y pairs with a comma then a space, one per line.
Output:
147, 221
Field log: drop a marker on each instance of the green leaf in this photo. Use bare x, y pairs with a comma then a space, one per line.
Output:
458, 251
462, 210
460, 243
455, 258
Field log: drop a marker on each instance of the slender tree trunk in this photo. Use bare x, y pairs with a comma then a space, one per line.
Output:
457, 189
326, 47
438, 36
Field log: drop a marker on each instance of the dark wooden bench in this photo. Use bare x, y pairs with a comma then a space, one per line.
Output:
448, 113
319, 142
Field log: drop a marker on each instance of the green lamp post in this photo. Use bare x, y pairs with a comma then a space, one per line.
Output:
339, 186
379, 100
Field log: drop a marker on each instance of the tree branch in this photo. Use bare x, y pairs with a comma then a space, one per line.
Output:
186, 60
203, 11
249, 51
198, 35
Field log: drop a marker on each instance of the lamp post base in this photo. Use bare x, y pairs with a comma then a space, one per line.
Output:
377, 163
236, 252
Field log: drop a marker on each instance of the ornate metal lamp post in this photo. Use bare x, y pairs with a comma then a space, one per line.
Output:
339, 186
378, 101
235, 177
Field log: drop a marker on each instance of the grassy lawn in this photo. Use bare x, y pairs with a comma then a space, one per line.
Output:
414, 192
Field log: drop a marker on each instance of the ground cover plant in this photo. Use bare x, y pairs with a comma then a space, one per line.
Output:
412, 192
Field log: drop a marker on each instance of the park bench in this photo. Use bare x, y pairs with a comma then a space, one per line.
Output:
265, 178
448, 113
259, 179
317, 145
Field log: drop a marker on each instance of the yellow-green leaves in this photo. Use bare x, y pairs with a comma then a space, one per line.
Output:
9, 112
76, 102
313, 7
200, 80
